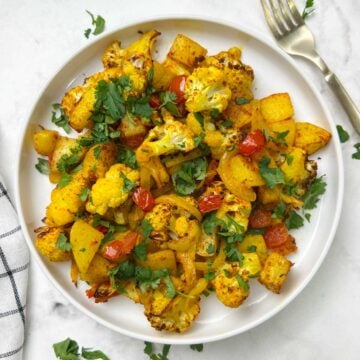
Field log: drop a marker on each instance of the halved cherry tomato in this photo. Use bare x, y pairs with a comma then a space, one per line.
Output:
117, 248
254, 141
154, 102
143, 199
260, 218
177, 85
276, 235
210, 203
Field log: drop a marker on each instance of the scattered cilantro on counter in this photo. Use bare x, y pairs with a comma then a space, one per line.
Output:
149, 350
356, 154
197, 347
97, 22
308, 9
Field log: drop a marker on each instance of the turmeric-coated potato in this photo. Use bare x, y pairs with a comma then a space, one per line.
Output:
45, 141
97, 271
274, 272
310, 137
277, 107
186, 51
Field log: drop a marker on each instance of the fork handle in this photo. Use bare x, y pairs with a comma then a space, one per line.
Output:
340, 92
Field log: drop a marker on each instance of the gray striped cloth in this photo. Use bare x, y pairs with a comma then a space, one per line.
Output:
14, 263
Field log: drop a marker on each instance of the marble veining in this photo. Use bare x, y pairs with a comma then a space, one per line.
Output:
322, 322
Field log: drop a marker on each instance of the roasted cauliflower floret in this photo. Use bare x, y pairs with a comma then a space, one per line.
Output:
239, 77
138, 53
219, 142
235, 208
166, 139
65, 201
230, 287
205, 89
178, 315
112, 190
159, 217
45, 242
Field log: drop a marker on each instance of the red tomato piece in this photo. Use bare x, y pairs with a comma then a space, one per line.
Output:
143, 199
276, 235
260, 218
154, 102
177, 86
254, 141
117, 248
102, 229
210, 203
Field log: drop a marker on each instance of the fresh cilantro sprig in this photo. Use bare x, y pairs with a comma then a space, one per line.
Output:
343, 134
184, 179
356, 154
308, 9
68, 349
43, 166
98, 24
127, 156
169, 100
59, 118
144, 277
140, 250
311, 198
149, 350
294, 220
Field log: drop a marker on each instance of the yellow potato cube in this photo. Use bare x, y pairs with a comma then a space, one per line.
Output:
45, 141
164, 259
85, 242
310, 137
186, 51
277, 107
97, 271
282, 126
162, 76
274, 272
294, 169
254, 241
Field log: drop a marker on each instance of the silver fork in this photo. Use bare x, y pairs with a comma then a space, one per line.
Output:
293, 36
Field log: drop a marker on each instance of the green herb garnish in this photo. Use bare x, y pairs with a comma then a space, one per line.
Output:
97, 22
62, 243
343, 134
308, 9
59, 118
43, 166
271, 176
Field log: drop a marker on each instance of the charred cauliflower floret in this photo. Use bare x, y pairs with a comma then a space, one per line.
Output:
205, 89
138, 54
45, 242
65, 201
238, 77
230, 287
112, 190
235, 208
166, 139
177, 316
172, 226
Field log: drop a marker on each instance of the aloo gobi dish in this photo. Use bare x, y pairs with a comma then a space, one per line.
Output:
178, 183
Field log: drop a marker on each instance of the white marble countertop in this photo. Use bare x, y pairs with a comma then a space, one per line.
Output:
37, 36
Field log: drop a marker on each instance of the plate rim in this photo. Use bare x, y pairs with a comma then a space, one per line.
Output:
260, 37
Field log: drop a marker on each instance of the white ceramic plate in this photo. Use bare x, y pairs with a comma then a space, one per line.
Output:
274, 72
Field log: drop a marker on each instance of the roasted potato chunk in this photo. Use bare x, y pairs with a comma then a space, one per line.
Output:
310, 137
277, 107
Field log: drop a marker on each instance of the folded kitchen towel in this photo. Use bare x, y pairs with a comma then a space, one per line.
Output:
14, 263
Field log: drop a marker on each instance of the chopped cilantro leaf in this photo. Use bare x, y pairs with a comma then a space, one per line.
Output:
227, 123
198, 139
184, 179
65, 180
308, 9
59, 118
140, 251
66, 350
98, 22
242, 282
343, 134
294, 220
197, 347
90, 354
210, 275
312, 196
356, 154
210, 249
62, 243
289, 159
214, 113
279, 211
200, 118
128, 185
210, 222
127, 156
241, 101
251, 248
43, 166
146, 228
84, 194
97, 152
271, 176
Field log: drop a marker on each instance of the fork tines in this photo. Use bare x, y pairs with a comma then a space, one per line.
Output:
282, 16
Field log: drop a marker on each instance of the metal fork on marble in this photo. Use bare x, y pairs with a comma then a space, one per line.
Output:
293, 36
